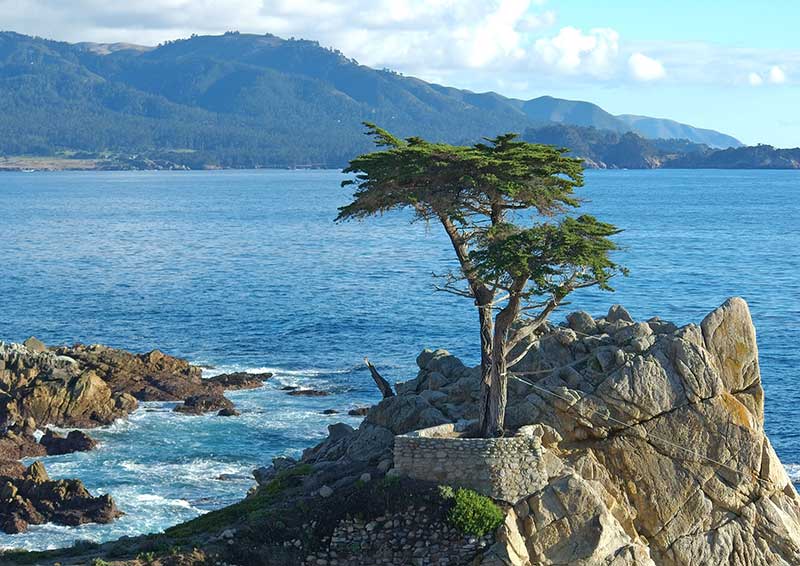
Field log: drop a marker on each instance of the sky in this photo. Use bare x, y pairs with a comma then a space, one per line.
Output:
731, 65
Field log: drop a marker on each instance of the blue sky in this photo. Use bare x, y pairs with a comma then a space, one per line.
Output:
733, 66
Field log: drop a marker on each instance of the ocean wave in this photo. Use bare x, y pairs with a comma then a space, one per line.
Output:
196, 470
793, 470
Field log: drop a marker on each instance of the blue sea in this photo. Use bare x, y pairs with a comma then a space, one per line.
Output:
247, 270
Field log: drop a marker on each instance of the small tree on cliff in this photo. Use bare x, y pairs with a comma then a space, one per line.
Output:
488, 198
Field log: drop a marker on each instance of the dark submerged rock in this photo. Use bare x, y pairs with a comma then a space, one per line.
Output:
240, 380
205, 403
308, 393
75, 441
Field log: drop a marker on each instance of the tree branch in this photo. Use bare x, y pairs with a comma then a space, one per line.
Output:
383, 385
520, 357
453, 291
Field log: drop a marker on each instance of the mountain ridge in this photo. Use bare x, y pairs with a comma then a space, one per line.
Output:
232, 100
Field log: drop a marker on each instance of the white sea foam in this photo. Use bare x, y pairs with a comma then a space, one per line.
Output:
197, 471
793, 470
275, 371
158, 500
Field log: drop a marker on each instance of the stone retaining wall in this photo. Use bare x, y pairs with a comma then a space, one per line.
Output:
505, 469
414, 537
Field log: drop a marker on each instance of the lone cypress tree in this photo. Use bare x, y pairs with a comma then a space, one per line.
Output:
503, 205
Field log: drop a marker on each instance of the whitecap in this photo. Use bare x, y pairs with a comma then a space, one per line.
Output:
276, 371
160, 501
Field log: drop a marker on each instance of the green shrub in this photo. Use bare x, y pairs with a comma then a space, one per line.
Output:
99, 562
146, 557
474, 514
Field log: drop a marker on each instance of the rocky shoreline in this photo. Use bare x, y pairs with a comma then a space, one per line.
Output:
83, 387
650, 449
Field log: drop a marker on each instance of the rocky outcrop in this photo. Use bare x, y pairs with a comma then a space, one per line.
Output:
153, 376
240, 380
653, 450
30, 497
86, 386
18, 441
53, 388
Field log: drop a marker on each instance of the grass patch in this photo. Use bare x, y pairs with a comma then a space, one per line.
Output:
247, 509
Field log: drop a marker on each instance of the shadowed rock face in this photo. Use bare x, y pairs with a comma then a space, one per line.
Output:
655, 454
75, 441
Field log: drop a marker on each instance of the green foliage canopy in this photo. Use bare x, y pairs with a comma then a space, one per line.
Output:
475, 188
460, 181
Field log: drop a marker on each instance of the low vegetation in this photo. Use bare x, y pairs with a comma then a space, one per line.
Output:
473, 513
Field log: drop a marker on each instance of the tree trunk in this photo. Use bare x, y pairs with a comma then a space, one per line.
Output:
493, 409
484, 300
486, 317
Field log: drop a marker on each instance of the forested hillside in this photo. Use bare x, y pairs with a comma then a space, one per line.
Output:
236, 100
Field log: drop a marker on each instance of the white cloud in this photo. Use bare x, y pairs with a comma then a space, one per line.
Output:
644, 68
572, 51
478, 44
755, 79
534, 22
409, 35
776, 75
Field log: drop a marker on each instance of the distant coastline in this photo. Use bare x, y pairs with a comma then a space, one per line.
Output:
733, 159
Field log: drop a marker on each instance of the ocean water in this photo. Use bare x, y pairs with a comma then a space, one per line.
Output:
246, 270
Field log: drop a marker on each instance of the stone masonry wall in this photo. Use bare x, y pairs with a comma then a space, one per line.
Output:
505, 469
409, 538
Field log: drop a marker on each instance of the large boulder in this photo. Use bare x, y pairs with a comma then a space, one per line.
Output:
730, 338
35, 345
82, 400
663, 459
404, 413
